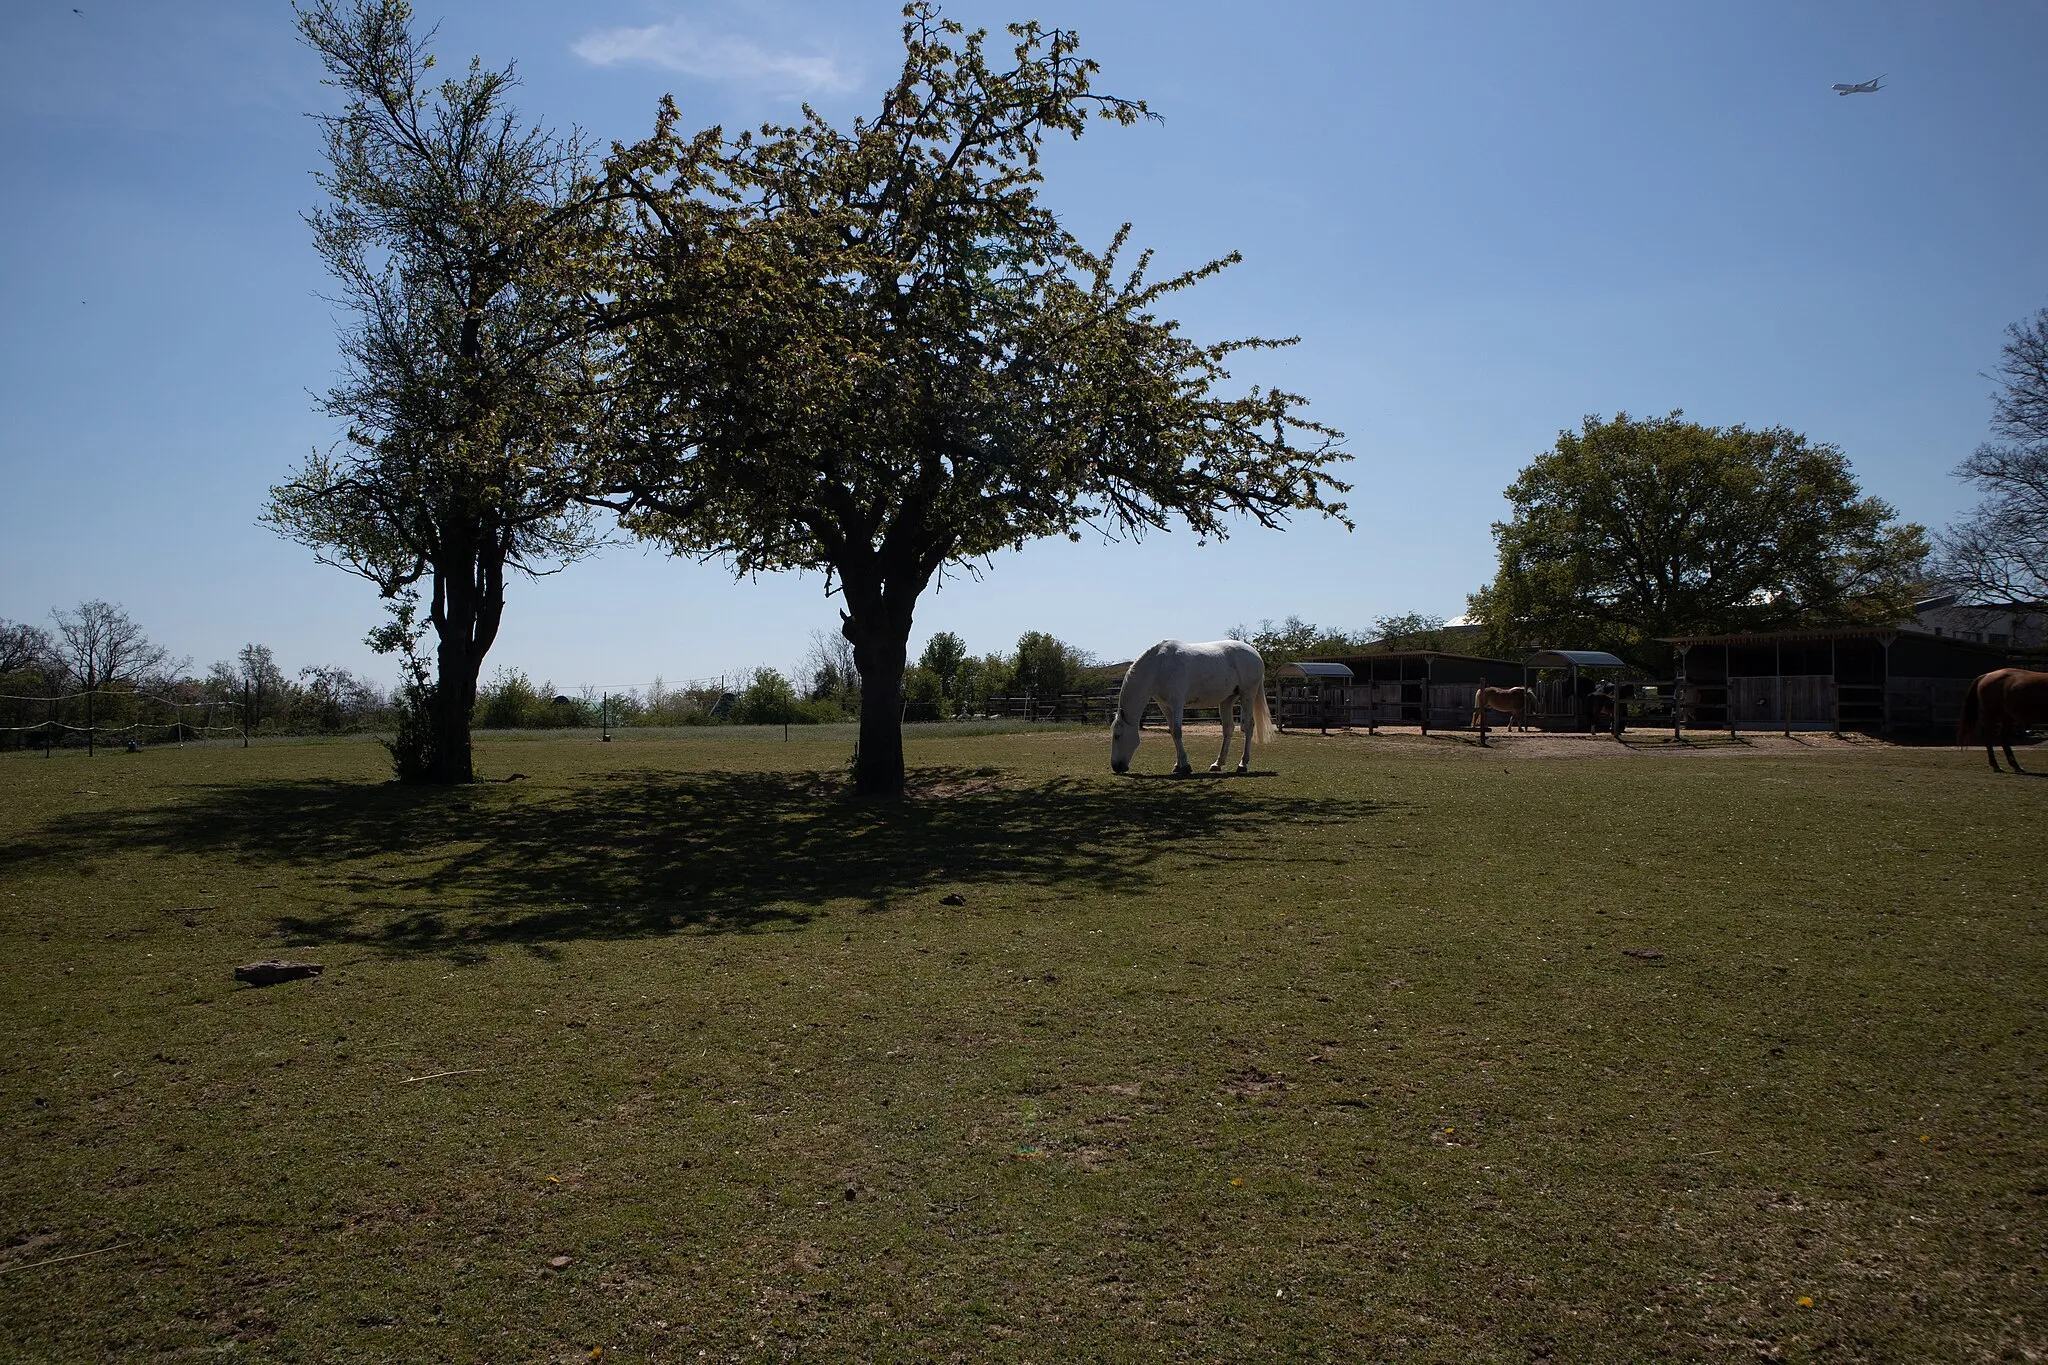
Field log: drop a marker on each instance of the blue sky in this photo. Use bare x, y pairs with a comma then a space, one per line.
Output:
1484, 221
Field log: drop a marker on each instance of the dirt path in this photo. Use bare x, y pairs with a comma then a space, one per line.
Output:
1634, 744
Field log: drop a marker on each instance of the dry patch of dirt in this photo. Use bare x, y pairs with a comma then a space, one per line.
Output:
1633, 744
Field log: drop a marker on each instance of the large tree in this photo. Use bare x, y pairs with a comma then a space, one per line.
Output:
876, 353
467, 245
1999, 552
1635, 528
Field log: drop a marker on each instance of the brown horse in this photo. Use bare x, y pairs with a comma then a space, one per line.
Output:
1998, 704
1512, 701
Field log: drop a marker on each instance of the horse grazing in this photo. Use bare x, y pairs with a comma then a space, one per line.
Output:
1176, 675
1514, 702
1998, 704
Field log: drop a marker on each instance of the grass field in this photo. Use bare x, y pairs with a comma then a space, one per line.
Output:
672, 1050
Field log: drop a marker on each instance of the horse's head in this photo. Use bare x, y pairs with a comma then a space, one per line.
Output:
1123, 742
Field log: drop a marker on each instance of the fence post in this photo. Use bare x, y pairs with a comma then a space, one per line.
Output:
1884, 697
245, 713
1784, 716
1835, 686
1728, 686
91, 734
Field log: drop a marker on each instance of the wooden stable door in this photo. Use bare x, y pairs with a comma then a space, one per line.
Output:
1802, 701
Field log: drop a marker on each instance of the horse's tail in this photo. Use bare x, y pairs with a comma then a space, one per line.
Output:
1966, 723
1263, 729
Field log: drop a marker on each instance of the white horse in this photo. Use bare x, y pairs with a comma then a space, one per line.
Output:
1222, 674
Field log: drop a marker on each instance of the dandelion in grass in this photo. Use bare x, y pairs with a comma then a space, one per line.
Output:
1236, 1181
1806, 1300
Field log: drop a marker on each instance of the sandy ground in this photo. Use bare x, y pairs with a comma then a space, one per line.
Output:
1536, 744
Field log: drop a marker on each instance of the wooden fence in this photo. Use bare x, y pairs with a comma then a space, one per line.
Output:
1087, 708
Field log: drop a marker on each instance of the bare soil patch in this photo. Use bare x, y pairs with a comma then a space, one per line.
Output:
1411, 742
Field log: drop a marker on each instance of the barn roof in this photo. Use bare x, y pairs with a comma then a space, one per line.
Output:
1353, 660
1572, 658
1330, 672
1882, 634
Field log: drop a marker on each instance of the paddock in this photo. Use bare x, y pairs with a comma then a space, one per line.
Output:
677, 1046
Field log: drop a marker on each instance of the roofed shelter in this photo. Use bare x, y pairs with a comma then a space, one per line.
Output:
1560, 702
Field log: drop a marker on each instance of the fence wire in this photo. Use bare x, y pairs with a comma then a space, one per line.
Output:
54, 726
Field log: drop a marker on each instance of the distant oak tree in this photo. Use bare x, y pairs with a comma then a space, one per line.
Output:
1630, 529
874, 352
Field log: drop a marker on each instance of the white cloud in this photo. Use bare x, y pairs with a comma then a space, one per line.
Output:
680, 46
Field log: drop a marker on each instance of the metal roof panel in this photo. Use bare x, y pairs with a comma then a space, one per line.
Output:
1572, 658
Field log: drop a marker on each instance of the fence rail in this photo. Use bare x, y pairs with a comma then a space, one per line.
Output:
123, 719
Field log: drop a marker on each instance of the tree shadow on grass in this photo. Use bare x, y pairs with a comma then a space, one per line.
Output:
633, 854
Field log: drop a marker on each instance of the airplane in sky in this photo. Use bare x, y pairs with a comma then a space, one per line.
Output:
1869, 87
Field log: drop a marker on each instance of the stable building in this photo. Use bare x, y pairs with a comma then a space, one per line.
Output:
1426, 687
1895, 683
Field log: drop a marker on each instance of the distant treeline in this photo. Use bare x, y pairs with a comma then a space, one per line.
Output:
946, 682
95, 677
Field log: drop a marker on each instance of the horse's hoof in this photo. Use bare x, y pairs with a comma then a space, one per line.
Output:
1215, 767
1184, 772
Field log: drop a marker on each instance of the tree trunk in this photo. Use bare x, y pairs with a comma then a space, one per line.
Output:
454, 699
881, 645
468, 603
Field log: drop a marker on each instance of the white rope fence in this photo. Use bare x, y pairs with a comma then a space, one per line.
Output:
55, 726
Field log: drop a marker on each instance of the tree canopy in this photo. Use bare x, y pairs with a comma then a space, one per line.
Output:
1634, 528
468, 246
875, 353
1999, 552
97, 642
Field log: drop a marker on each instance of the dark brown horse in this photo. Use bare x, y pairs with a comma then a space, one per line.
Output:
1999, 703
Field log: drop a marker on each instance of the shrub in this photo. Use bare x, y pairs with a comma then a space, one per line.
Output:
769, 699
511, 702
924, 696
412, 746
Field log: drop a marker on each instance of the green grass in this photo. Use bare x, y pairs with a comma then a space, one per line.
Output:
1344, 1060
